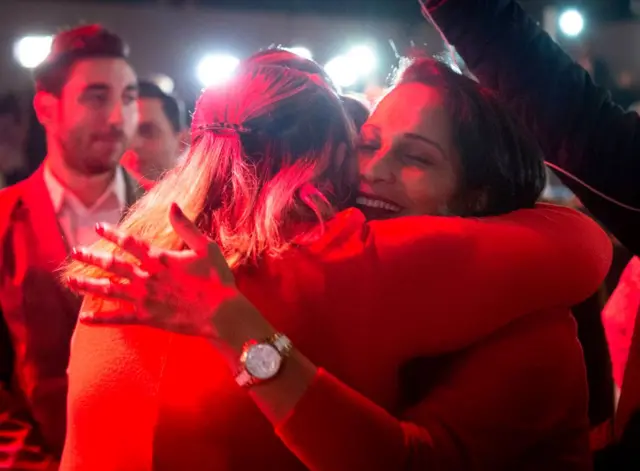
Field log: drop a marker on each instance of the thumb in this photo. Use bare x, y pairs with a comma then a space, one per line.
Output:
198, 242
188, 231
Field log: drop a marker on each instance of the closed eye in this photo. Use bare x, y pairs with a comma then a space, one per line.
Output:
417, 159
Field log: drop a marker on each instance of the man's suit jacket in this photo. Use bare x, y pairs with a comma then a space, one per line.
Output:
38, 312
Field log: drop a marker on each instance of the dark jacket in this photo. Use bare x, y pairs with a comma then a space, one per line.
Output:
580, 129
577, 124
38, 313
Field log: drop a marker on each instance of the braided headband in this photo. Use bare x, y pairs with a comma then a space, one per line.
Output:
225, 126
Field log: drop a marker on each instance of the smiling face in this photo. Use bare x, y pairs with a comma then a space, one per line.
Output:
408, 164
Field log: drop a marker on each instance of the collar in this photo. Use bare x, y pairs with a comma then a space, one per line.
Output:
59, 193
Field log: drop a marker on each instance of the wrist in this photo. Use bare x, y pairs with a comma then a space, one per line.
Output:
239, 322
236, 323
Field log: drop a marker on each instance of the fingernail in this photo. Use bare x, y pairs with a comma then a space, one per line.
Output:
77, 251
175, 209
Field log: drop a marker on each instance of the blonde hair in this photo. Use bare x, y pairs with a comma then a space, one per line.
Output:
264, 162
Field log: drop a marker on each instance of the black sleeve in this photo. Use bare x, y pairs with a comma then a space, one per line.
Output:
6, 354
597, 359
577, 124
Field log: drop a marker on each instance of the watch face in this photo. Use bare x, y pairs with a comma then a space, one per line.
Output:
262, 361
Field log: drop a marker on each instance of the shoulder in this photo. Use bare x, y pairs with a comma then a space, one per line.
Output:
96, 306
316, 268
340, 235
104, 351
574, 229
110, 366
557, 224
11, 194
553, 213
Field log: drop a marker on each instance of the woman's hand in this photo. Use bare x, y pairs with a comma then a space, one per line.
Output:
189, 292
180, 291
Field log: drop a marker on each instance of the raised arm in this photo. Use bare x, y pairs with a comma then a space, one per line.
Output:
464, 278
578, 126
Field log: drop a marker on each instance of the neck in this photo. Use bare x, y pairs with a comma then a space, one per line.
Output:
87, 188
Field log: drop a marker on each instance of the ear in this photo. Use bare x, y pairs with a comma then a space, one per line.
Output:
46, 108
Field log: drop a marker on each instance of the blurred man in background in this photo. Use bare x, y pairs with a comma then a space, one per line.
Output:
160, 137
86, 99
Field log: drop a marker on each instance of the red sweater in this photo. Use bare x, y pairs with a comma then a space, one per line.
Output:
486, 298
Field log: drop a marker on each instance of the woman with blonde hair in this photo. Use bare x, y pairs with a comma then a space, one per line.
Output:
417, 341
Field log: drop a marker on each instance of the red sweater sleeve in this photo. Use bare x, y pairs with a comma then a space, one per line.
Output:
437, 271
491, 412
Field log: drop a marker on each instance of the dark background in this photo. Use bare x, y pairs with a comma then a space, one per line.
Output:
406, 9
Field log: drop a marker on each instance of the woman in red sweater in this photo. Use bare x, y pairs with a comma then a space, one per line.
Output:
416, 342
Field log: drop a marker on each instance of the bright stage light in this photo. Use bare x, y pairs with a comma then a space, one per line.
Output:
301, 51
363, 58
342, 71
356, 64
571, 22
216, 69
164, 82
30, 51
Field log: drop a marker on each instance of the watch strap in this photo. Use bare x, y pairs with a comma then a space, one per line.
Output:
244, 379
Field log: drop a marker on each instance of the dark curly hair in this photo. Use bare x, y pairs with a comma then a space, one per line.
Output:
500, 160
